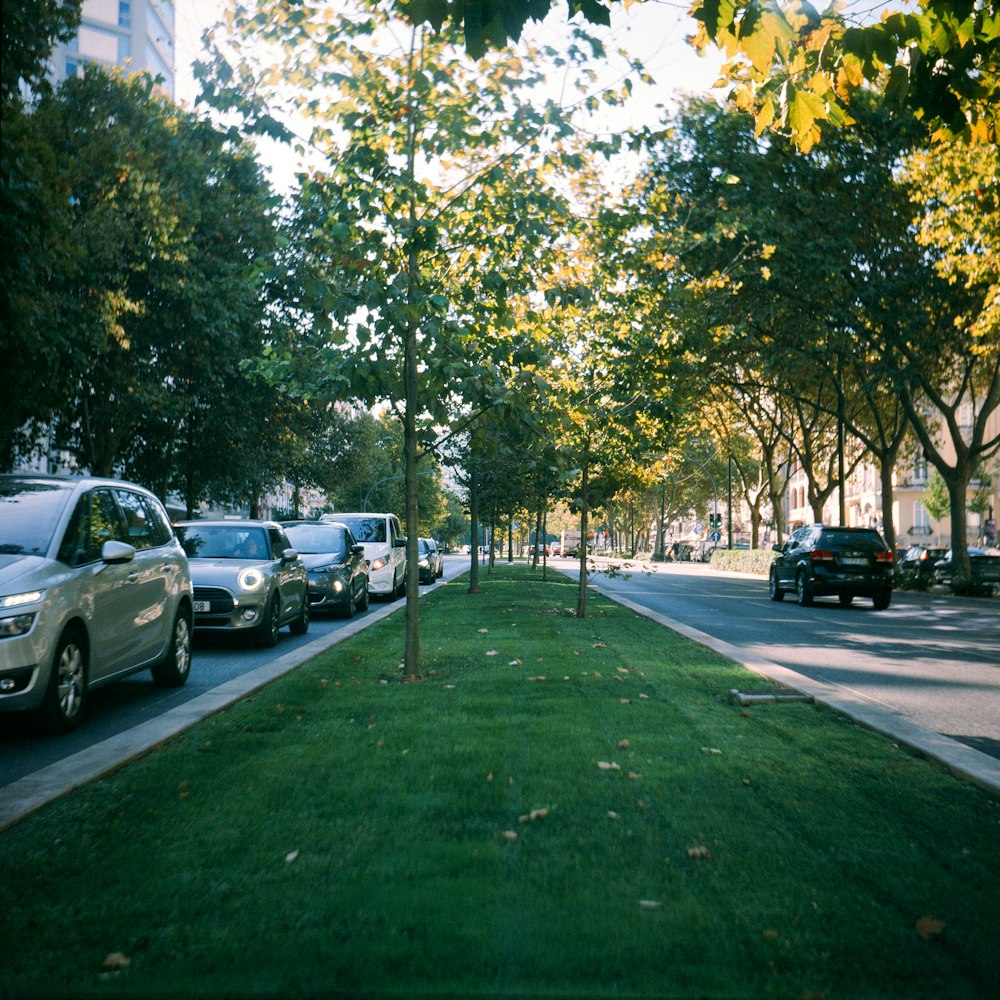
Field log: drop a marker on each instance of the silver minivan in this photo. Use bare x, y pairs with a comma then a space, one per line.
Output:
94, 586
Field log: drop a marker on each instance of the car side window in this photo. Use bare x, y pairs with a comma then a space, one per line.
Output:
141, 532
279, 542
161, 531
96, 520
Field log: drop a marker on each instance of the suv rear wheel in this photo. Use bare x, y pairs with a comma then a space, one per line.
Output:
804, 589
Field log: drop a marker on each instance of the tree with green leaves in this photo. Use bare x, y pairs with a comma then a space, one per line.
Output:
797, 68
149, 302
31, 29
430, 213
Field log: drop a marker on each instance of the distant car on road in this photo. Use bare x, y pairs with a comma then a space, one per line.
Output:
94, 586
819, 560
985, 569
916, 565
247, 578
430, 561
336, 564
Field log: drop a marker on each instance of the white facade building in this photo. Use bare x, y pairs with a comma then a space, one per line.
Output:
136, 34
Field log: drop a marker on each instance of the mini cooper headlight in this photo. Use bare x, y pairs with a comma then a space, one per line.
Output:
250, 579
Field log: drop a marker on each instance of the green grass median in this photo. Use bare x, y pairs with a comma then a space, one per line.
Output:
562, 808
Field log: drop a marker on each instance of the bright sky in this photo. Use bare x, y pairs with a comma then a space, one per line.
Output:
655, 31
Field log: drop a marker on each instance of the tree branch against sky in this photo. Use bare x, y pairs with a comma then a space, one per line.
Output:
797, 67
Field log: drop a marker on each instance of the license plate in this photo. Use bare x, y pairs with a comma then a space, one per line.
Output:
202, 607
853, 561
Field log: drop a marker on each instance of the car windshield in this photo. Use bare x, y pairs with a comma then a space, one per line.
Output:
855, 541
366, 529
312, 539
223, 541
29, 514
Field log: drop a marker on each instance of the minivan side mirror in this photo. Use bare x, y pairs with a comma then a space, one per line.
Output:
400, 543
115, 553
777, 548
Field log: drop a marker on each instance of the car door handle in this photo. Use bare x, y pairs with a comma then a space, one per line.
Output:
133, 577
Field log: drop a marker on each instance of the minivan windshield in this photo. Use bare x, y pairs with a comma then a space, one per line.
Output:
366, 529
29, 514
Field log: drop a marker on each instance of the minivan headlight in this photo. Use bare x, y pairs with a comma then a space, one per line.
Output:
380, 562
16, 600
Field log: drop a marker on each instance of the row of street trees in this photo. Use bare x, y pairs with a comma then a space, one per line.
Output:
457, 256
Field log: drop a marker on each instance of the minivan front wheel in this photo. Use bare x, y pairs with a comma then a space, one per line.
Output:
66, 694
777, 594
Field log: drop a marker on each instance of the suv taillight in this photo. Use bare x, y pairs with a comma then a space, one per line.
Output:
883, 557
822, 555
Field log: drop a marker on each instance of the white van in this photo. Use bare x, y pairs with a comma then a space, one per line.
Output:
385, 549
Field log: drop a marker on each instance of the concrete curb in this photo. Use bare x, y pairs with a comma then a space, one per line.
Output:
957, 758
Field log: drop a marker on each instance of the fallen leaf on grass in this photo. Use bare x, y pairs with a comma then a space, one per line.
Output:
599, 645
769, 935
929, 928
492, 652
510, 834
115, 961
623, 744
710, 750
608, 765
483, 631
634, 775
700, 853
537, 677
533, 815
650, 904
514, 663
613, 815
291, 856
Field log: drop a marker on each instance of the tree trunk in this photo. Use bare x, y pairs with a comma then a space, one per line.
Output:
581, 600
474, 532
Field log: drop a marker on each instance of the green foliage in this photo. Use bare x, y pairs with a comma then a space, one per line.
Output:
756, 561
30, 30
935, 497
798, 69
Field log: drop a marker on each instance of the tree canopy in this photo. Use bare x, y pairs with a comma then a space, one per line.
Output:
797, 67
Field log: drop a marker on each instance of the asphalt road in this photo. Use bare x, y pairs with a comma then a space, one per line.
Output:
932, 658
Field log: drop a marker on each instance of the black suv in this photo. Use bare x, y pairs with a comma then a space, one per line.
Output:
818, 560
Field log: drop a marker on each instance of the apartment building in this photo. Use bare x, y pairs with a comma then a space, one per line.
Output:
138, 34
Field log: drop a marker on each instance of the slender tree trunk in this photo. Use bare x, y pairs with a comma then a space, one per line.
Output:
411, 658
474, 532
581, 600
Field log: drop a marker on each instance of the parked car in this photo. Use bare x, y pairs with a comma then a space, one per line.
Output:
819, 560
385, 549
985, 569
430, 562
247, 578
94, 585
916, 565
335, 562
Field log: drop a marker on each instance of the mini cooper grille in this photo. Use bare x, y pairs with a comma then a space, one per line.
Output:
220, 600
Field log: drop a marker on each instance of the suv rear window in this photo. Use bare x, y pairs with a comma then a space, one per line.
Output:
855, 541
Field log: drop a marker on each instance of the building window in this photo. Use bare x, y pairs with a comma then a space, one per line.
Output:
124, 48
921, 519
920, 472
124, 13
72, 67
